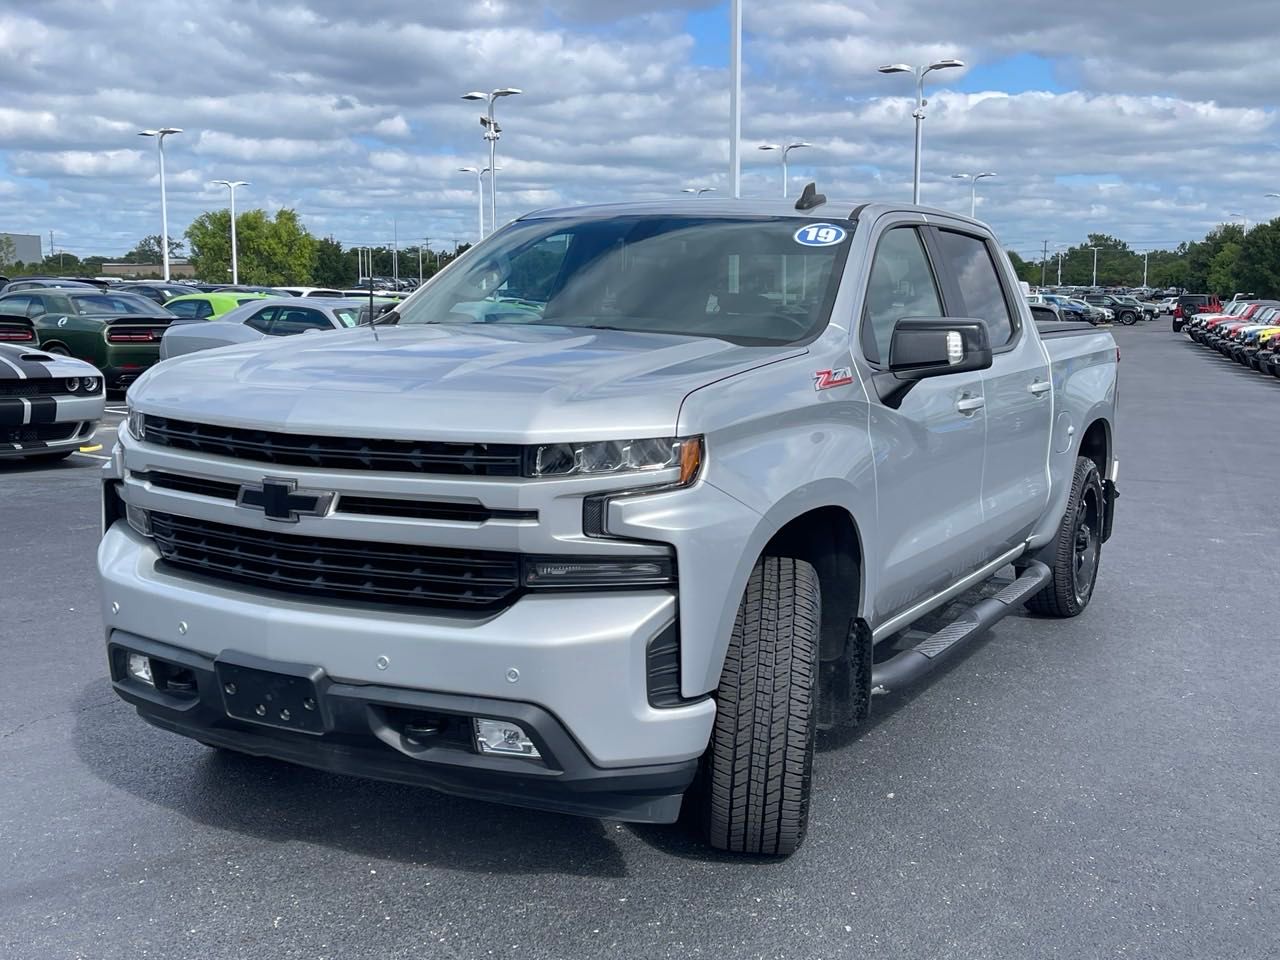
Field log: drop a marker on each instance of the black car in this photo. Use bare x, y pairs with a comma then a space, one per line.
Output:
1125, 313
159, 292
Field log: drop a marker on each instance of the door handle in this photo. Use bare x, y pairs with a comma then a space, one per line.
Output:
970, 404
1040, 387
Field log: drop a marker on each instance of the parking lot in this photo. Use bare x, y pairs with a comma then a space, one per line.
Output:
1099, 787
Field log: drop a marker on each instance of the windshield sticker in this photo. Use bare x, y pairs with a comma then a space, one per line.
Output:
820, 235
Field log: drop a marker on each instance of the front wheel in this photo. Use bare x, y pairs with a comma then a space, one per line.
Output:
1077, 547
758, 767
1128, 318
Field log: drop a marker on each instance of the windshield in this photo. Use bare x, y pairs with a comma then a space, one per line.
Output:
348, 316
759, 280
118, 304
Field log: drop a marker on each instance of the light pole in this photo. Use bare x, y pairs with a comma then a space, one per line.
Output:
735, 97
425, 240
1095, 264
491, 133
973, 179
1145, 255
164, 209
919, 73
698, 191
786, 149
1061, 255
1242, 217
479, 172
235, 260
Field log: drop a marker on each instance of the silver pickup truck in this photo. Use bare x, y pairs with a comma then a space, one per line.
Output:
616, 512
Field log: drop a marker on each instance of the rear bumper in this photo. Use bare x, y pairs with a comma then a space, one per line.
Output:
365, 737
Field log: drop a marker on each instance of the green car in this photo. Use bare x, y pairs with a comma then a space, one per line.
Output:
119, 333
209, 306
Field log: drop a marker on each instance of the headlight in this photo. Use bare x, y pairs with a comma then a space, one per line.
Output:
608, 457
90, 385
72, 384
136, 424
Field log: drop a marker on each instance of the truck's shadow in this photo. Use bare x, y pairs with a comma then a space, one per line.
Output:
280, 803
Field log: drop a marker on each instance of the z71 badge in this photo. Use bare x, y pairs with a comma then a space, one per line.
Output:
826, 379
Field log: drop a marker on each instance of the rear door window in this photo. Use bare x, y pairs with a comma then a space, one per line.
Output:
984, 298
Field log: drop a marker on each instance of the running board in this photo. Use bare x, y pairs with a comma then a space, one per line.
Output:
910, 665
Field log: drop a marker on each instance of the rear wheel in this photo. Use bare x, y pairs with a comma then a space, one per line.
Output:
57, 348
758, 767
1128, 318
1077, 548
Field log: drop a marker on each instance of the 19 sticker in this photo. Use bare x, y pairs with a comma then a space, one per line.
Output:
820, 235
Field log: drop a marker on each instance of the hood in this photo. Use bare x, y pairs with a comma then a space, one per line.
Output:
473, 382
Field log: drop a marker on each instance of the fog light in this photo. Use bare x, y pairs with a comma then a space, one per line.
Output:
504, 737
139, 519
140, 669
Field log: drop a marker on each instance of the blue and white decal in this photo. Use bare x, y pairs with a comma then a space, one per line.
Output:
820, 235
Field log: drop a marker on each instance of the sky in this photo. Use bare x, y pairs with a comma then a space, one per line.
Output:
1151, 120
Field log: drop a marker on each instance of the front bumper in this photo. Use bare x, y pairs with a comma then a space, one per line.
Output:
579, 656
365, 736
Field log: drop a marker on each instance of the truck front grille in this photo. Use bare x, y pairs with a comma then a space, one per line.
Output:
338, 453
340, 569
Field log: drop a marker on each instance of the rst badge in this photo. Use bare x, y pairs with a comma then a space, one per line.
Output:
826, 379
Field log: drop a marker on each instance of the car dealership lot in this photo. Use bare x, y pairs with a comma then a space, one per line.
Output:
1096, 787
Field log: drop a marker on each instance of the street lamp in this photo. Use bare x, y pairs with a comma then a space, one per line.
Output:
491, 133
164, 210
1095, 264
919, 73
785, 150
479, 172
235, 260
698, 191
973, 179
1242, 217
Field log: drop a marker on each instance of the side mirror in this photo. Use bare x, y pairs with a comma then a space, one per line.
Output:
933, 347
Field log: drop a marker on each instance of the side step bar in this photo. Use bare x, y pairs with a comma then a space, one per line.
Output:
910, 665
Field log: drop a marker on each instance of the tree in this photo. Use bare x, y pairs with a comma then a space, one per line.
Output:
1025, 271
272, 252
1258, 268
1223, 277
7, 251
333, 268
148, 250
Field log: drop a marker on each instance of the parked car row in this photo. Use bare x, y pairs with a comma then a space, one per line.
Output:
1247, 331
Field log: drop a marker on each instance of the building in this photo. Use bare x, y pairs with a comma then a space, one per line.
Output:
148, 271
26, 247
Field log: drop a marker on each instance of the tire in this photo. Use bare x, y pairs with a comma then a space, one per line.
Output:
759, 764
57, 349
1128, 318
1075, 562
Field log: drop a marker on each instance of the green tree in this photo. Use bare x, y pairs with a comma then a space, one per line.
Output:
1223, 276
333, 268
272, 252
1029, 272
7, 252
1258, 269
148, 250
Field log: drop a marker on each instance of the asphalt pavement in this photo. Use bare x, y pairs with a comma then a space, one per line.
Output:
1102, 787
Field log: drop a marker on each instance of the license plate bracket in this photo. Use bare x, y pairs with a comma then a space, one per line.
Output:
286, 696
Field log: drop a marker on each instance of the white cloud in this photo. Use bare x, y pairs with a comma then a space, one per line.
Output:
1155, 126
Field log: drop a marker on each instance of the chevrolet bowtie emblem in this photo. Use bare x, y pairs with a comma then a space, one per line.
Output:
280, 499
